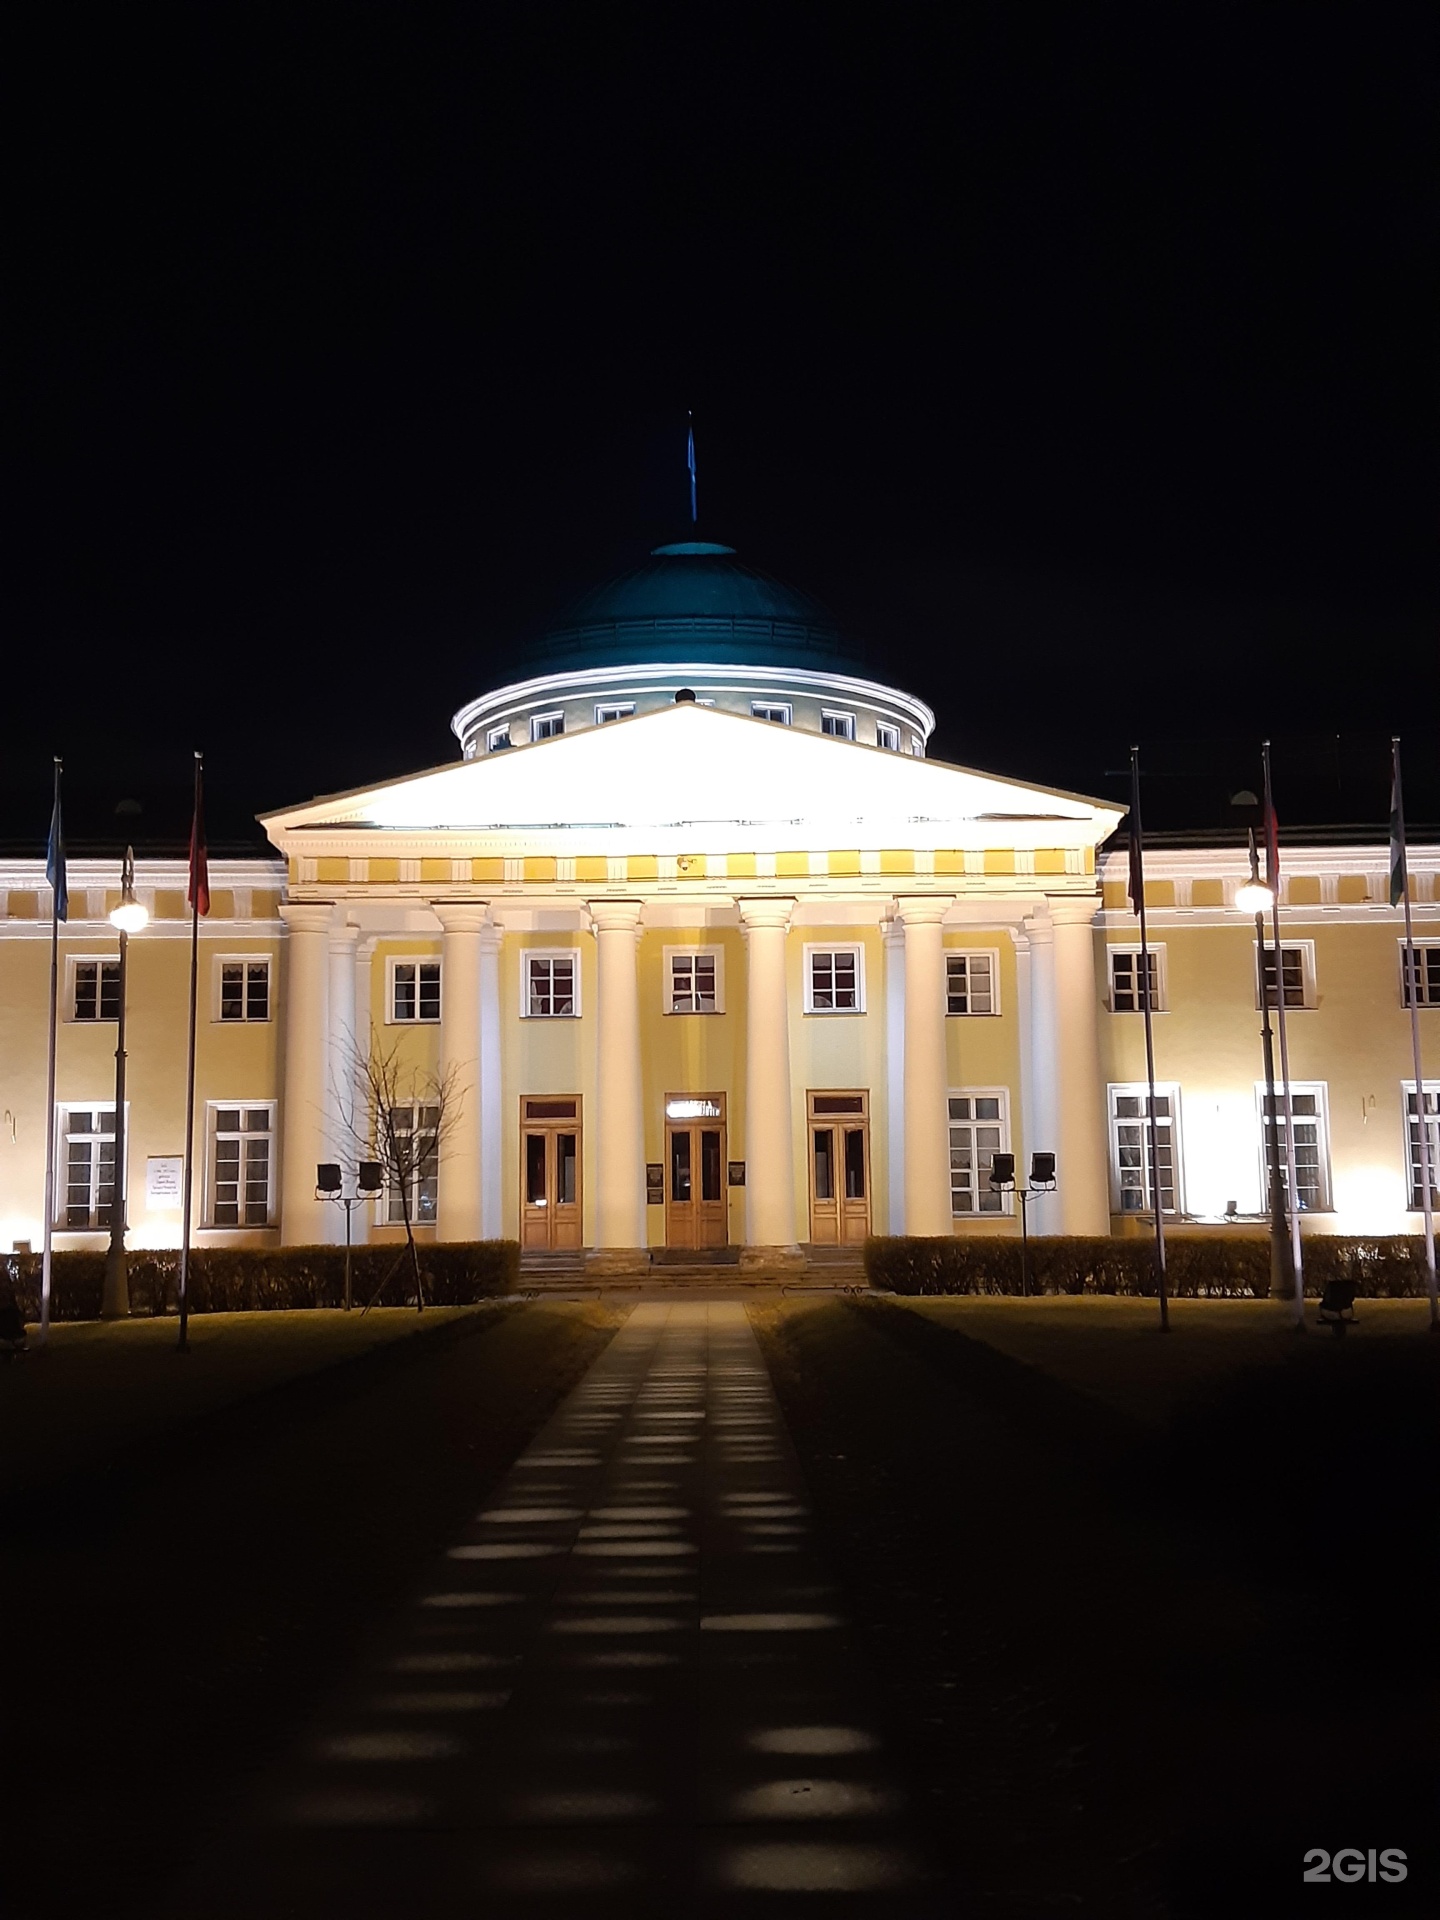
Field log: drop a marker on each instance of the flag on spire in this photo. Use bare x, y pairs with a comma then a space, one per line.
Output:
690, 463
198, 894
55, 857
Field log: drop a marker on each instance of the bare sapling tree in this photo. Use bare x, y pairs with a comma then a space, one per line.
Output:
403, 1116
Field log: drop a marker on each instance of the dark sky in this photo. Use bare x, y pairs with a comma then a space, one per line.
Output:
1083, 360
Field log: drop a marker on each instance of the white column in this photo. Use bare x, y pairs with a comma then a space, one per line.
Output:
459, 1203
1020, 1123
304, 1220
1040, 1128
927, 1130
340, 1111
769, 1132
893, 940
492, 1135
619, 1096
362, 1218
1081, 1160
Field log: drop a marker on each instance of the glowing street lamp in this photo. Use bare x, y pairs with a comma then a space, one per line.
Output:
1253, 896
128, 916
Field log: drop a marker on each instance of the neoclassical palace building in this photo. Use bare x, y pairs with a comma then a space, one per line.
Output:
713, 956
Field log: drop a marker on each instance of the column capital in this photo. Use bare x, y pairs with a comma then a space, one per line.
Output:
765, 913
615, 916
462, 916
922, 910
342, 935
1074, 910
308, 916
1039, 928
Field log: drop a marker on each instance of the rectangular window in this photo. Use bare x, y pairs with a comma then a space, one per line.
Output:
1414, 1159
834, 980
545, 726
244, 989
1296, 973
85, 1187
970, 983
1426, 974
1312, 1145
497, 739
412, 1159
776, 710
887, 736
979, 1129
414, 990
693, 980
616, 710
242, 1158
552, 986
839, 726
1125, 990
95, 990
1130, 1167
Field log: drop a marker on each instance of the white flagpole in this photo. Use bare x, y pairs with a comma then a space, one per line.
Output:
184, 1280
50, 1075
1412, 975
1157, 1194
1296, 1255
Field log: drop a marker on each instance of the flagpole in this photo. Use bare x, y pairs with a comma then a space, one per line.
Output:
55, 872
190, 1068
1272, 879
1137, 881
1400, 881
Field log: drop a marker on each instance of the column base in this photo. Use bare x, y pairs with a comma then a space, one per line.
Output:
618, 1260
772, 1260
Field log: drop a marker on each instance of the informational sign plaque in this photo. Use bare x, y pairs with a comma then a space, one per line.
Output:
164, 1180
655, 1184
737, 1173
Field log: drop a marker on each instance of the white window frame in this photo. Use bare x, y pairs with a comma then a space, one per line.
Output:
779, 713
529, 954
247, 961
1414, 1201
845, 722
539, 720
388, 1210
498, 739
607, 711
1138, 1090
1429, 989
671, 955
63, 1110
393, 962
992, 954
213, 1135
1160, 1001
812, 947
1321, 1091
1306, 950
74, 961
887, 736
1005, 1207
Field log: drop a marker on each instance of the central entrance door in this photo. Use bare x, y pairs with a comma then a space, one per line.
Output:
550, 1172
695, 1170
839, 1133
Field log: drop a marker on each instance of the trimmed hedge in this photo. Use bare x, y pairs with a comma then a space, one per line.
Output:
254, 1279
1216, 1266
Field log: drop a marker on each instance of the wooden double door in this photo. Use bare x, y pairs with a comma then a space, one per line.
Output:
839, 1150
695, 1170
550, 1163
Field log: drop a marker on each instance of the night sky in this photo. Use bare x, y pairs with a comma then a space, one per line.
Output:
1083, 361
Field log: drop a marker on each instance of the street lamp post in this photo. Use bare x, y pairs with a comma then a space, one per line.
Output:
128, 916
329, 1185
1253, 896
1042, 1180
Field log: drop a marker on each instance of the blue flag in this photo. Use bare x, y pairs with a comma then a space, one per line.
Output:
690, 462
55, 859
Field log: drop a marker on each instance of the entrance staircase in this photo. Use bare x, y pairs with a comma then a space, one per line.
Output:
687, 1269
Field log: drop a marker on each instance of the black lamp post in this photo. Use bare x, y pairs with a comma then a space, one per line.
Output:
1042, 1180
1253, 896
128, 916
330, 1185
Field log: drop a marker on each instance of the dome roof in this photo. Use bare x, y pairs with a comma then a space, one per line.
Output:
694, 601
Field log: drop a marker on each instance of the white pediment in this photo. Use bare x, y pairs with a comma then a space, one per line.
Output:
699, 778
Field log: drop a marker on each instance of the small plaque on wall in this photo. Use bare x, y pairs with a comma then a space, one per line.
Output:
164, 1180
737, 1173
655, 1185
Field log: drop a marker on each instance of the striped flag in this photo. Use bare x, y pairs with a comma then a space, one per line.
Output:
198, 895
1397, 833
55, 859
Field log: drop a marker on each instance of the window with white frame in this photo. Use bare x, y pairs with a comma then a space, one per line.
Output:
979, 1129
1415, 1164
414, 991
1126, 995
85, 1190
1131, 1172
834, 979
970, 982
244, 989
95, 989
839, 726
551, 986
1312, 1143
1297, 973
498, 739
242, 1164
614, 710
887, 736
1424, 970
693, 980
412, 1158
545, 726
776, 710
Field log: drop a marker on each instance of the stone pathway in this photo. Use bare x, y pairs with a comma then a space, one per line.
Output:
628, 1688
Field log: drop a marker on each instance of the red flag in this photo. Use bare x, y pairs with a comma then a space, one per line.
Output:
199, 893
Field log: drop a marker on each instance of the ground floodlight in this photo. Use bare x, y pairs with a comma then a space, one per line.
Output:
371, 1176
327, 1178
1042, 1169
1002, 1170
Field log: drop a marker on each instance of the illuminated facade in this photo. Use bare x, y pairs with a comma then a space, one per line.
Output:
717, 958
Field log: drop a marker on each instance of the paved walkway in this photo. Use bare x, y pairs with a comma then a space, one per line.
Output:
628, 1688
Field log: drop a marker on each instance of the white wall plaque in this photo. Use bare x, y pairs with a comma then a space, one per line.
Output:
164, 1180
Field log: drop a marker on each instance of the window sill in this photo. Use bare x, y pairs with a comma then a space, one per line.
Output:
952, 1013
833, 1013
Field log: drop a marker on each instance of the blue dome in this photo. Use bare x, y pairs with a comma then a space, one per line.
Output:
694, 601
